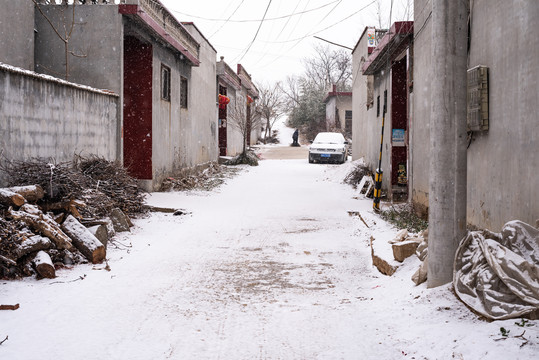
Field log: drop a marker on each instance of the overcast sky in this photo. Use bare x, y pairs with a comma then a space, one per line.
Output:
283, 40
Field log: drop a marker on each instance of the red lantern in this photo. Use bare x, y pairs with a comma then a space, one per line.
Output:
250, 100
223, 101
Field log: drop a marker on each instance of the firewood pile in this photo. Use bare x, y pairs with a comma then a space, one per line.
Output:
54, 215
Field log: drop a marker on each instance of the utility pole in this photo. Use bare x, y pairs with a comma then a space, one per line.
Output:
447, 184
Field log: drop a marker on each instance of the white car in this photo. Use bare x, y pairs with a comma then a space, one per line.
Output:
328, 147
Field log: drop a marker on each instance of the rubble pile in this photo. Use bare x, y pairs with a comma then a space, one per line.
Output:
56, 215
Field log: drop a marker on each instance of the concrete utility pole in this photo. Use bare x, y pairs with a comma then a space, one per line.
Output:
447, 185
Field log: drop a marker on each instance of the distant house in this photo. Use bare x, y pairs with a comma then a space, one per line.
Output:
229, 85
237, 93
339, 111
164, 72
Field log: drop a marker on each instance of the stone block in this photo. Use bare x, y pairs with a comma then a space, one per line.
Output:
404, 249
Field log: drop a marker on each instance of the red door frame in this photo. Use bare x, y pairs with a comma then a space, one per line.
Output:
137, 107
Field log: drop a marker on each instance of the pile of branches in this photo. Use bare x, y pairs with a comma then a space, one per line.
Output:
100, 184
246, 158
206, 180
355, 176
404, 217
112, 179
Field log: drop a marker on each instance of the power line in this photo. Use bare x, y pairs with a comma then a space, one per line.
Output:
324, 29
227, 20
257, 31
331, 42
258, 20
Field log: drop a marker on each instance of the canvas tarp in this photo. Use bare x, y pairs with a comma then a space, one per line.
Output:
497, 275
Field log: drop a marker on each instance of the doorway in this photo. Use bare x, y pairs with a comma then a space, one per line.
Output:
137, 107
222, 123
399, 127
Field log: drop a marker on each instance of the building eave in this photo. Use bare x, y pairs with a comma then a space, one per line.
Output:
388, 47
137, 11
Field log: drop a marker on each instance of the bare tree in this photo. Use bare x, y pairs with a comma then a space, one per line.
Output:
330, 67
269, 106
243, 118
64, 30
304, 95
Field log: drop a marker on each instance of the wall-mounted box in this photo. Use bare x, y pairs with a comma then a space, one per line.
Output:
477, 104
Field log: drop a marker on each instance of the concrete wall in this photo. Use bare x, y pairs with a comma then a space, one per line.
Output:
419, 134
503, 162
204, 105
234, 137
172, 126
360, 142
98, 35
382, 82
47, 118
17, 33
331, 105
502, 166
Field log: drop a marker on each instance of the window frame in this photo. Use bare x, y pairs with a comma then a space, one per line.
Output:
166, 84
184, 92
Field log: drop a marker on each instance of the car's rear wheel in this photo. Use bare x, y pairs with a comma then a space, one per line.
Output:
310, 159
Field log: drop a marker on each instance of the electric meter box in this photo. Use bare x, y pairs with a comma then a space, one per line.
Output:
477, 99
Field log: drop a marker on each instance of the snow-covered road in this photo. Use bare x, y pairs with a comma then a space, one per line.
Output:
269, 266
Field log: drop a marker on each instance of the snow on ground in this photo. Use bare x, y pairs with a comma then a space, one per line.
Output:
269, 266
285, 133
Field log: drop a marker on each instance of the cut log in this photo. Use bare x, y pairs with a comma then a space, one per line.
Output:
11, 198
160, 209
69, 206
106, 221
9, 307
31, 193
83, 240
7, 261
33, 244
44, 265
101, 233
44, 225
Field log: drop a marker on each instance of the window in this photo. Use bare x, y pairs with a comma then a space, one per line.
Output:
183, 92
348, 121
165, 82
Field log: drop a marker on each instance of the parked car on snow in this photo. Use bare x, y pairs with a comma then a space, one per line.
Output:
328, 147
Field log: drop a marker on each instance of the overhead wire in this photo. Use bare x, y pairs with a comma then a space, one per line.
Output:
257, 31
227, 20
324, 29
298, 40
258, 20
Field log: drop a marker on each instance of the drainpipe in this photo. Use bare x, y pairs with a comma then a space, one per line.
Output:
447, 185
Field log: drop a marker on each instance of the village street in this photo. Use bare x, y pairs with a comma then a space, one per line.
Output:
268, 266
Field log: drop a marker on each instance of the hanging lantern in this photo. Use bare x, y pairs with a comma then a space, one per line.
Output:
223, 101
250, 100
